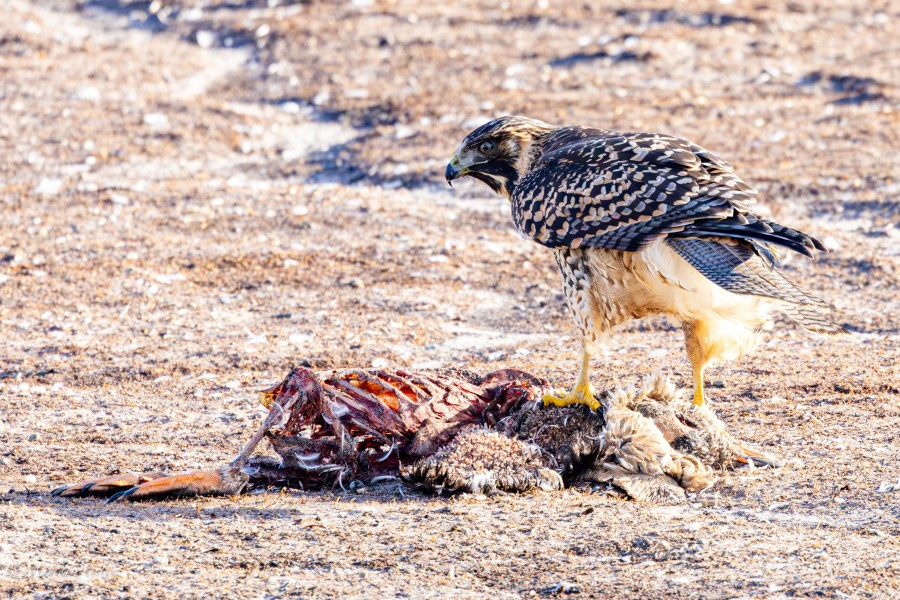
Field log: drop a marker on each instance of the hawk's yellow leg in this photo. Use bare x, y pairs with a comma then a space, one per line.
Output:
696, 342
581, 394
698, 386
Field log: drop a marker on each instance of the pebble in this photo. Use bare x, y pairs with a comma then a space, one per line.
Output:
404, 131
564, 587
156, 120
321, 98
88, 93
885, 487
205, 38
48, 186
299, 338
33, 437
190, 15
30, 479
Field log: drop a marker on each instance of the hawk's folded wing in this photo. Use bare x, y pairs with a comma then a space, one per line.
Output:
624, 191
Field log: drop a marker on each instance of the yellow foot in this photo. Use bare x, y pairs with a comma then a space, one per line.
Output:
577, 396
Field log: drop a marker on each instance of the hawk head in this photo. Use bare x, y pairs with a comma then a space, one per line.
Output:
499, 153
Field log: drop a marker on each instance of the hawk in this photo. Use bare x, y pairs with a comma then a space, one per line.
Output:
643, 224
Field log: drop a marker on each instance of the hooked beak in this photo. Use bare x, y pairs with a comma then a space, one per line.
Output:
454, 170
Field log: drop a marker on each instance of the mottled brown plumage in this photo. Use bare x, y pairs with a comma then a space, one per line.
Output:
644, 224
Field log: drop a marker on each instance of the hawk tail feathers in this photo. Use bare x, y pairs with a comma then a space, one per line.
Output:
812, 320
738, 267
767, 232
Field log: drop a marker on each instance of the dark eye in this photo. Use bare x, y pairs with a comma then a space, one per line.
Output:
487, 147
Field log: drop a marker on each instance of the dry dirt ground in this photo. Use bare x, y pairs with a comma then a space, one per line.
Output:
197, 196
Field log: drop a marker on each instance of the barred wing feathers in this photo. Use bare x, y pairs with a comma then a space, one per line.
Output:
602, 189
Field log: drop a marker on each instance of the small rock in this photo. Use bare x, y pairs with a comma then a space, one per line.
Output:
156, 120
88, 93
33, 437
564, 587
48, 186
321, 98
299, 338
30, 479
190, 15
379, 363
404, 131
888, 487
205, 39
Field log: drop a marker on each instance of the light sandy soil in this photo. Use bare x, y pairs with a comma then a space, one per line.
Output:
197, 200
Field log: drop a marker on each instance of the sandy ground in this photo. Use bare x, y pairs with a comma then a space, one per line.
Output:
197, 196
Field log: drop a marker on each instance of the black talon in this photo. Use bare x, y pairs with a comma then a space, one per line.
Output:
123, 494
59, 490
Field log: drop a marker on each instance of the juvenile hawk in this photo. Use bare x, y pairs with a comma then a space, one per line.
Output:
643, 224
